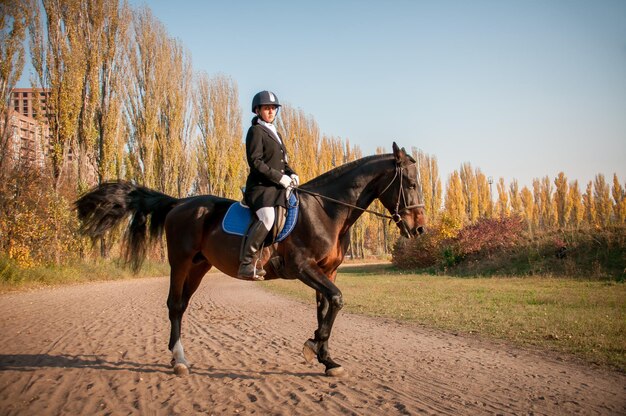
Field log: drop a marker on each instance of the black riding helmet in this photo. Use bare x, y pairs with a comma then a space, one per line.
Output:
264, 98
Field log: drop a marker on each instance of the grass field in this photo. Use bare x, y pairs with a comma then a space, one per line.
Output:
579, 317
14, 278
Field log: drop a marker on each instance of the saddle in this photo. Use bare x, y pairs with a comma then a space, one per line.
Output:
239, 217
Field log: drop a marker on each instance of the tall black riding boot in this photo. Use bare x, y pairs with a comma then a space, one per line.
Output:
251, 245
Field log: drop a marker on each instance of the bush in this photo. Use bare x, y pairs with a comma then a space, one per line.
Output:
487, 236
37, 225
501, 247
421, 252
484, 238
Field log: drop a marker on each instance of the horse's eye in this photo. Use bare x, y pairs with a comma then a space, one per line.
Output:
412, 186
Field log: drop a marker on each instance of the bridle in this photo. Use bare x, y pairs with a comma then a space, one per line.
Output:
395, 217
401, 197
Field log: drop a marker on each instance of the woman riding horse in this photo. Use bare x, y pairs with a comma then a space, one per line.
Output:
270, 176
329, 205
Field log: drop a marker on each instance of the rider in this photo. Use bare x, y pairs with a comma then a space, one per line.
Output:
270, 176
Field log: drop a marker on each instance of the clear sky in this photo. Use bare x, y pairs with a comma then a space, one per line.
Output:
521, 89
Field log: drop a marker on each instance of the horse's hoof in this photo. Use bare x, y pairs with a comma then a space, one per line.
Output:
309, 351
181, 370
335, 372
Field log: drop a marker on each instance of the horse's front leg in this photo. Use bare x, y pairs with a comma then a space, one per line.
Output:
318, 346
329, 303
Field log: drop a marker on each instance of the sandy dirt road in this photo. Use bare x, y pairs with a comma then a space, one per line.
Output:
102, 349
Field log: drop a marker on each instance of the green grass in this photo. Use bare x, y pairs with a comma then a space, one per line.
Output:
12, 277
580, 317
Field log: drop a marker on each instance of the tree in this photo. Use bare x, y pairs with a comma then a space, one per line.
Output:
589, 205
428, 172
302, 139
577, 210
221, 156
470, 191
330, 153
112, 36
62, 60
562, 200
515, 198
485, 204
502, 205
602, 199
15, 17
546, 206
619, 202
529, 212
158, 107
454, 206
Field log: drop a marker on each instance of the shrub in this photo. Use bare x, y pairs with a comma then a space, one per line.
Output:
421, 252
487, 236
37, 225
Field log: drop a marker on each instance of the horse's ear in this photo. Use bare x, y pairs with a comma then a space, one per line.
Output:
398, 153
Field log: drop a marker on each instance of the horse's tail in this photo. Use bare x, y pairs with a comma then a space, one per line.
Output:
105, 206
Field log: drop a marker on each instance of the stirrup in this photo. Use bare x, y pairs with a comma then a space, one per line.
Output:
258, 276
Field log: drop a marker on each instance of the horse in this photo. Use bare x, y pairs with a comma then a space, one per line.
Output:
329, 205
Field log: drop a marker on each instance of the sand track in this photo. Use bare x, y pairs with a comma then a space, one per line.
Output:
102, 349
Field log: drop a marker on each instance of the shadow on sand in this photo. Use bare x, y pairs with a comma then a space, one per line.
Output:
32, 362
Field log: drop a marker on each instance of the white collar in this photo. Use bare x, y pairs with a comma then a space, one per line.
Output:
271, 127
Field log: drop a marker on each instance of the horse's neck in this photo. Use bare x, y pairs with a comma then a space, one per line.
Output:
358, 187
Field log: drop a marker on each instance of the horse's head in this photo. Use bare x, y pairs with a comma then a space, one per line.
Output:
402, 195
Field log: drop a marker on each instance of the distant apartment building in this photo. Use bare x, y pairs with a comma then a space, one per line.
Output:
28, 135
30, 102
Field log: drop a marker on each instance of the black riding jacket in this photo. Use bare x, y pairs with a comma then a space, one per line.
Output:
267, 159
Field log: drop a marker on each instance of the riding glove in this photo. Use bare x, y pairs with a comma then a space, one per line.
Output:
296, 179
285, 181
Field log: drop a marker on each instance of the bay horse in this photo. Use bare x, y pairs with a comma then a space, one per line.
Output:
329, 206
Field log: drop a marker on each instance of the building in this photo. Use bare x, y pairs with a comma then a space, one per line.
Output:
30, 102
28, 136
28, 139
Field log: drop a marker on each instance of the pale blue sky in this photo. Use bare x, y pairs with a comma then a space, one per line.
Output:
521, 89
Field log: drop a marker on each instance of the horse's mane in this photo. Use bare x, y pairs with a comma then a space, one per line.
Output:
333, 174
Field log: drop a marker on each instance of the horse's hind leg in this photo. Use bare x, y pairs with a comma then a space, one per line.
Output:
184, 280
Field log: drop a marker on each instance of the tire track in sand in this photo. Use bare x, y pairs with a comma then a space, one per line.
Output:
102, 349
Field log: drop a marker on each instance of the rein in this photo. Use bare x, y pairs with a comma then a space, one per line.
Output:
396, 215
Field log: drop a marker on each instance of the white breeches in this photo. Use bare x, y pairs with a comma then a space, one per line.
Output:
266, 215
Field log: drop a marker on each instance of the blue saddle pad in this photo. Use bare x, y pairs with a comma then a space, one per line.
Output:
238, 219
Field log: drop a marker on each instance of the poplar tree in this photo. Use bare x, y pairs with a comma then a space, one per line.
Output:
529, 209
547, 211
589, 205
15, 17
176, 124
602, 199
222, 167
485, 202
562, 200
619, 202
103, 26
60, 59
515, 198
539, 208
430, 182
502, 205
302, 139
158, 105
454, 206
577, 212
470, 191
